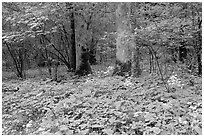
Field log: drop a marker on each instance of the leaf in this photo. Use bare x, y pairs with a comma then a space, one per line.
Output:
117, 113
84, 132
29, 125
136, 114
198, 130
69, 132
149, 117
117, 105
83, 126
78, 116
63, 127
112, 119
39, 94
46, 133
108, 131
97, 126
166, 106
156, 130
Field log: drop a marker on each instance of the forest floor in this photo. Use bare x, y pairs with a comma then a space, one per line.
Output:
102, 104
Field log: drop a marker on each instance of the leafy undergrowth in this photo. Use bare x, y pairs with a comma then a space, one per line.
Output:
102, 105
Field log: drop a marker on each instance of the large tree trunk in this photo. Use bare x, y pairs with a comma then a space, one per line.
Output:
123, 46
126, 47
73, 44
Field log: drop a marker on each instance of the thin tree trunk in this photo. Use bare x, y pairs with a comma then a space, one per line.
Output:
55, 65
73, 44
150, 61
93, 51
199, 64
135, 70
199, 55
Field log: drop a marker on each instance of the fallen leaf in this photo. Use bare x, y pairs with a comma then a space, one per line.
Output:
112, 119
69, 132
156, 130
117, 105
63, 127
108, 131
149, 117
198, 130
84, 132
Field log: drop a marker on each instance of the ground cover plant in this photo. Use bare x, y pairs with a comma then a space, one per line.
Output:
102, 68
103, 104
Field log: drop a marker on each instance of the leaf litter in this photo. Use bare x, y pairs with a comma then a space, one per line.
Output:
103, 106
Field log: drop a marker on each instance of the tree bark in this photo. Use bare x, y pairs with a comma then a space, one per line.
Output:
135, 67
123, 45
82, 65
135, 70
73, 44
127, 61
199, 64
93, 51
55, 65
199, 54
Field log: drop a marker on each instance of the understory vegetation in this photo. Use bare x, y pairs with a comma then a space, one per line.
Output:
103, 104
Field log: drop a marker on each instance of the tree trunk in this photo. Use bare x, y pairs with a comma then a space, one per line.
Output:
199, 53
49, 67
136, 70
82, 65
55, 73
182, 52
93, 51
73, 44
123, 42
199, 64
127, 55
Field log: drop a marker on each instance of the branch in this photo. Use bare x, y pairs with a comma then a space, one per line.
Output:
54, 47
12, 55
149, 46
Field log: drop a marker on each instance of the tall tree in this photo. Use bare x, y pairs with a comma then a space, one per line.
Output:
71, 9
125, 41
135, 60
